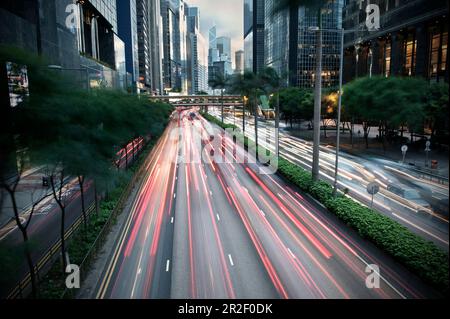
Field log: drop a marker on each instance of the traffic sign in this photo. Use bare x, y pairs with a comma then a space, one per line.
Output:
373, 188
404, 148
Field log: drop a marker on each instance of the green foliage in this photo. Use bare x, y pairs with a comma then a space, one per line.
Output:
437, 109
60, 124
53, 285
296, 103
214, 120
392, 101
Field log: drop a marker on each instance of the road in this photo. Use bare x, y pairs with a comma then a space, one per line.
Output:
44, 228
356, 172
199, 228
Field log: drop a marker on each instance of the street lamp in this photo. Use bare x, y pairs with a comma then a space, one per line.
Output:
338, 135
338, 125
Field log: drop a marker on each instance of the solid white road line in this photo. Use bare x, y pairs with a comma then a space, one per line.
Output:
231, 260
167, 265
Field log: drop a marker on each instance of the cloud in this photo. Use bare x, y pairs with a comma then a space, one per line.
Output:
227, 15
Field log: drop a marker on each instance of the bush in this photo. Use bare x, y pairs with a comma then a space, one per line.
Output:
214, 120
422, 257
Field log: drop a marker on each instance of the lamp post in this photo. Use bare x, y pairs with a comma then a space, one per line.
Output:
338, 125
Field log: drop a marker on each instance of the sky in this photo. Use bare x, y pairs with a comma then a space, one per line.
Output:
228, 15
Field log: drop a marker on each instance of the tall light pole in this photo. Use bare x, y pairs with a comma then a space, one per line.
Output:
317, 99
338, 125
277, 125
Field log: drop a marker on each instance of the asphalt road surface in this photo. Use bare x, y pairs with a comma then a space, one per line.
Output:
203, 228
355, 173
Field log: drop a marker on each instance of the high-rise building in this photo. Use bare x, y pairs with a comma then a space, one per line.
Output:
197, 54
156, 45
213, 53
174, 16
74, 35
224, 46
145, 67
254, 19
412, 39
291, 42
239, 61
276, 27
128, 31
24, 26
224, 50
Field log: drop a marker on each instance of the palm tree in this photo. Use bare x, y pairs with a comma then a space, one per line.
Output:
248, 84
312, 5
219, 82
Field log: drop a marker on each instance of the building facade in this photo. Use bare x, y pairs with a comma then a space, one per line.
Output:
128, 32
224, 51
291, 43
75, 36
254, 34
239, 61
412, 39
197, 54
213, 53
156, 46
174, 19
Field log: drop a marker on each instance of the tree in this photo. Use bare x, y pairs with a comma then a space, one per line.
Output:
249, 85
296, 104
70, 131
11, 186
219, 81
437, 110
388, 103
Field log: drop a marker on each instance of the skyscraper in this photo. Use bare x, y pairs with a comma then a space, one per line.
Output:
213, 53
156, 45
174, 41
254, 19
145, 71
224, 50
239, 61
128, 32
276, 40
197, 54
291, 45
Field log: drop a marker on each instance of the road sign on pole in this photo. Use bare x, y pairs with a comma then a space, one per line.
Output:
427, 150
404, 150
372, 189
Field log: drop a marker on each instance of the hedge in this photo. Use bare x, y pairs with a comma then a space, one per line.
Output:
421, 257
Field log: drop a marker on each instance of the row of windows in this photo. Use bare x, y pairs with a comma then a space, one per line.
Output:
435, 62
